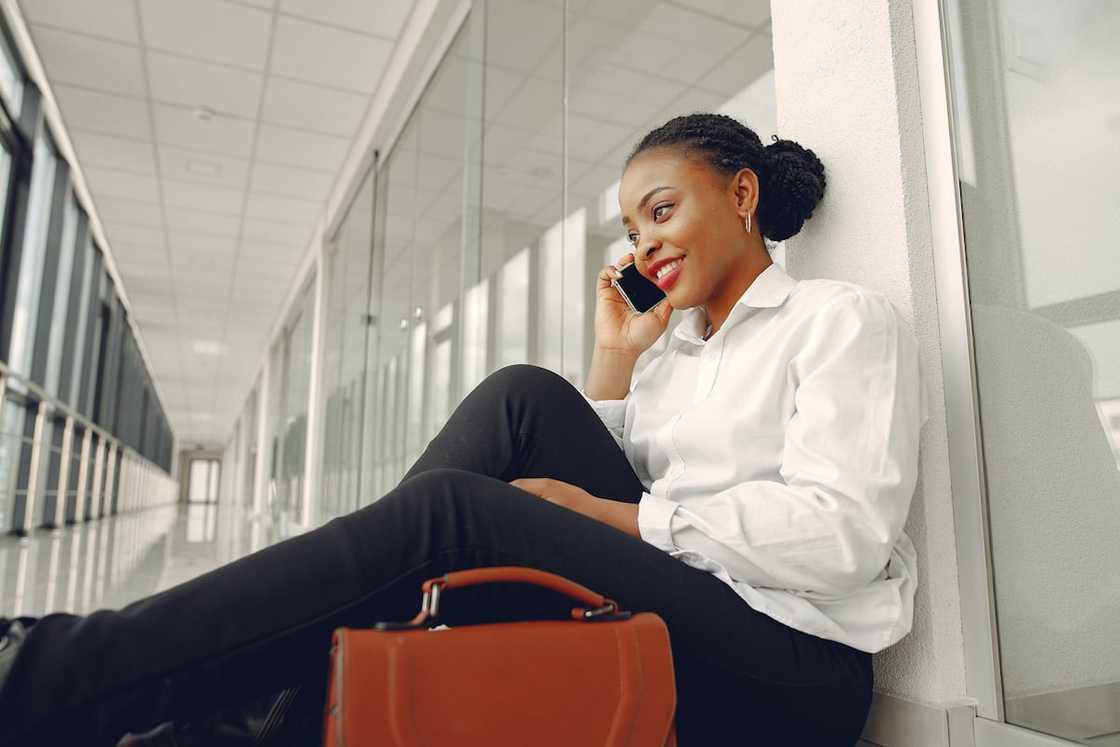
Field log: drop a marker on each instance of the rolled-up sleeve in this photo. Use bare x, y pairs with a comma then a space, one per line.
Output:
613, 414
849, 464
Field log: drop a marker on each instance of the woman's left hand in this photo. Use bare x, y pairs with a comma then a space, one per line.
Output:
621, 516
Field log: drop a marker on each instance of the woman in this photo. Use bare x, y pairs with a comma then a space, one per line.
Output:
768, 457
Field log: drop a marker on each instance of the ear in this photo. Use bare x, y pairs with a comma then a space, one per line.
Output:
744, 189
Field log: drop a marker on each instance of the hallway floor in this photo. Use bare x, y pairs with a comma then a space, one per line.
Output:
116, 560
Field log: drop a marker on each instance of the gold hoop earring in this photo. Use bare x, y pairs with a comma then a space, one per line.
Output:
748, 222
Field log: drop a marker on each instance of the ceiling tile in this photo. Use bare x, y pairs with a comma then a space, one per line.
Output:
209, 30
282, 145
114, 183
291, 182
287, 102
207, 168
202, 222
136, 235
150, 257
742, 67
94, 149
129, 212
282, 209
329, 56
102, 112
748, 13
92, 63
383, 18
256, 249
203, 197
193, 83
280, 233
115, 19
226, 135
182, 243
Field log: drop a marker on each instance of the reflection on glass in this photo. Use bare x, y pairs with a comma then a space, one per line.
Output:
1040, 218
476, 241
61, 293
417, 369
513, 310
31, 265
475, 318
11, 81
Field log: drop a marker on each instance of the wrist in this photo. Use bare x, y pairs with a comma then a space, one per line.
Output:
620, 353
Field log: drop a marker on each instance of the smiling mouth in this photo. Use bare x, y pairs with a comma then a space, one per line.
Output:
664, 281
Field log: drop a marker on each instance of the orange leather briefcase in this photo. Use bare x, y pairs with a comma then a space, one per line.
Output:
604, 677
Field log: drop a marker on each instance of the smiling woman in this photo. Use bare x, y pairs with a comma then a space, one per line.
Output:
714, 177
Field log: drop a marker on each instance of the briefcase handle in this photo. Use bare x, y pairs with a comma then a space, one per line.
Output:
601, 608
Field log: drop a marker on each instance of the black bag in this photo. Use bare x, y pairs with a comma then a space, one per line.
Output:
291, 718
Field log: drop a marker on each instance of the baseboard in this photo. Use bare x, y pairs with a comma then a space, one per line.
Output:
900, 722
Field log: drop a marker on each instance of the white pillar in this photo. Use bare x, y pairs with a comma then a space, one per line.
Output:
847, 87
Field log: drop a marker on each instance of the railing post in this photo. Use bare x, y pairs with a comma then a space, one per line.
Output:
98, 472
111, 466
81, 507
64, 473
33, 477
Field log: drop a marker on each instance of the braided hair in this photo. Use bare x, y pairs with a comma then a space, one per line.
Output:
791, 178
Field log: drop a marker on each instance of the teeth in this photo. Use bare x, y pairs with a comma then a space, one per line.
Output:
661, 272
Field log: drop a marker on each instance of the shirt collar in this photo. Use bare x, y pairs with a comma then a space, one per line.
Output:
770, 289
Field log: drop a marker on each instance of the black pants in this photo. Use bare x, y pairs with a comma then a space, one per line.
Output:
263, 622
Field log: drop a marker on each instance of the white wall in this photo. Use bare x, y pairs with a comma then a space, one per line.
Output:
846, 82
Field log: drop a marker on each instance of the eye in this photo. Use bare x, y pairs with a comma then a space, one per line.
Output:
632, 237
664, 206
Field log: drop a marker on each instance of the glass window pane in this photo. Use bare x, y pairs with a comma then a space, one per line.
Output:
476, 314
31, 264
61, 293
513, 310
197, 480
1040, 219
11, 80
5, 178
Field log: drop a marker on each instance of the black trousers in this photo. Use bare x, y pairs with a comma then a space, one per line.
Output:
263, 622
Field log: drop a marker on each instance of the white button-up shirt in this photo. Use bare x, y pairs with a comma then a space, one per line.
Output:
781, 454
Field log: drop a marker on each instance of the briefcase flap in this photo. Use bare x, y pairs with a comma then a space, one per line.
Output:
544, 682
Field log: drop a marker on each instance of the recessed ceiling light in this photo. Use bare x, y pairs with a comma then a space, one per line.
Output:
204, 168
207, 347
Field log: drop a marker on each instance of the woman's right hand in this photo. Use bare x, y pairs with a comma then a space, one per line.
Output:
619, 329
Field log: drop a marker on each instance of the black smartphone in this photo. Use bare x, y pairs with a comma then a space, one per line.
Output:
641, 294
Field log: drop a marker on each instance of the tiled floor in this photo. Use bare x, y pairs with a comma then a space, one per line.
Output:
113, 561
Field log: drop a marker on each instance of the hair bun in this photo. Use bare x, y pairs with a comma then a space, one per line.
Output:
794, 184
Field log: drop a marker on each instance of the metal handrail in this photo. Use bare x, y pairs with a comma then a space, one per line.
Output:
41, 395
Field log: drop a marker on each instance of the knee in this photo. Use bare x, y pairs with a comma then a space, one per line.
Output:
519, 378
437, 492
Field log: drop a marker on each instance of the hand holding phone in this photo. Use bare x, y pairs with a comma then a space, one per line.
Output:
631, 312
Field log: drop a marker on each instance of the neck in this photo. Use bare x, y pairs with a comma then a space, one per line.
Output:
722, 300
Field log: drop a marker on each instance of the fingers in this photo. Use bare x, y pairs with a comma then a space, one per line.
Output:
611, 271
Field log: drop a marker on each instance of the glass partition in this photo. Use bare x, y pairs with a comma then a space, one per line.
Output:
1040, 221
496, 206
345, 335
